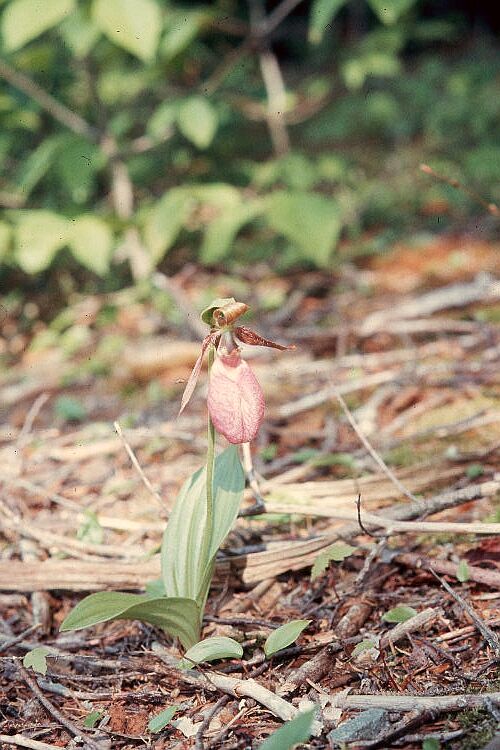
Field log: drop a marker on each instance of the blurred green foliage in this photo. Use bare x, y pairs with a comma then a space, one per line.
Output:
134, 127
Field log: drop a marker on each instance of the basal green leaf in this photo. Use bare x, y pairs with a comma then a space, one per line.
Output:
291, 733
210, 649
399, 614
91, 242
284, 636
38, 237
177, 616
160, 721
134, 25
322, 13
197, 120
24, 20
309, 221
165, 221
36, 659
390, 12
185, 571
334, 553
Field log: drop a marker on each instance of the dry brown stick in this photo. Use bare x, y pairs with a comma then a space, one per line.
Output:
72, 728
40, 604
490, 637
492, 208
235, 687
20, 741
137, 466
415, 702
413, 560
415, 623
5, 645
371, 450
59, 111
312, 669
412, 721
208, 718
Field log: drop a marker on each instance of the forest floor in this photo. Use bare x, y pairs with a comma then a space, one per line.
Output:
392, 394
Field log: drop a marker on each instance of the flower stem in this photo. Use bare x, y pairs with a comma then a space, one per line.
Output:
209, 523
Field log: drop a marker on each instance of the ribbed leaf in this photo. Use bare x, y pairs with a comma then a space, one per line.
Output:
177, 616
186, 572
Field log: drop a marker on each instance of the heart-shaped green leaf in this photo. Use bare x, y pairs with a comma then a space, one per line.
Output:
291, 733
284, 636
36, 659
160, 721
399, 614
210, 649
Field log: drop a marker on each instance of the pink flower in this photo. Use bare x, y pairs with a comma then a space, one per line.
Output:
235, 398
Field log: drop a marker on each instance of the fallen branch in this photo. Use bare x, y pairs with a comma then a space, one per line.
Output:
415, 702
20, 741
233, 686
490, 637
487, 577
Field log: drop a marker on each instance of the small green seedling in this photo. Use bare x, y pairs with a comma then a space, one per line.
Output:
37, 659
284, 636
399, 614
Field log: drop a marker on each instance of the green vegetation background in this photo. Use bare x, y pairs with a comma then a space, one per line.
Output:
145, 133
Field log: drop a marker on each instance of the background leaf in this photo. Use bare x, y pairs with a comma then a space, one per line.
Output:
91, 242
291, 733
322, 13
310, 221
210, 649
399, 614
284, 636
177, 616
221, 232
24, 20
390, 12
165, 221
197, 121
134, 25
39, 235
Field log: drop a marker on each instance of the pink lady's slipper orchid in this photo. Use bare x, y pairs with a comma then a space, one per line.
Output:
235, 399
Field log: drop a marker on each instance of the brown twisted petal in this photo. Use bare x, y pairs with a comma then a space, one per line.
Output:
250, 337
212, 338
226, 315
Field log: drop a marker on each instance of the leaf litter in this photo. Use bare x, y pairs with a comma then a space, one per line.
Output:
423, 390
